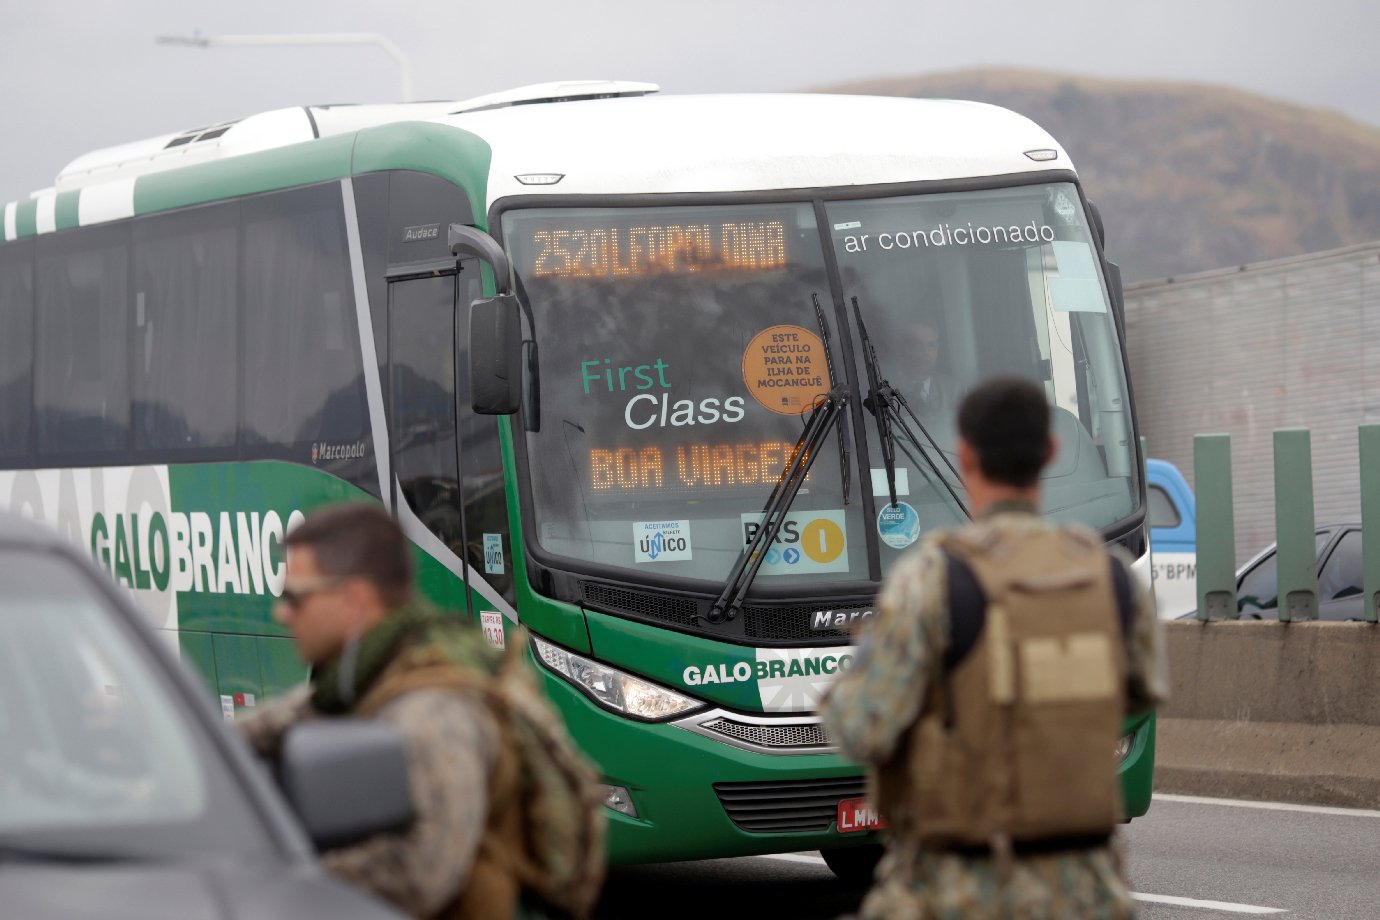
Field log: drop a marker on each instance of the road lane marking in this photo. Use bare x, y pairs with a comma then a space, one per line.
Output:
1225, 906
1270, 806
796, 857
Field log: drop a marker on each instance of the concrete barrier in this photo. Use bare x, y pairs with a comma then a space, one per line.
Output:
1274, 711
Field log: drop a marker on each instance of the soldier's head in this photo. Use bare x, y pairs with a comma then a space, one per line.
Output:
1004, 436
347, 567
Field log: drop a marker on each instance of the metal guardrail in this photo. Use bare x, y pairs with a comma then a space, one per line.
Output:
1297, 560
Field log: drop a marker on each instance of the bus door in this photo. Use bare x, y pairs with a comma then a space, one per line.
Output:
455, 489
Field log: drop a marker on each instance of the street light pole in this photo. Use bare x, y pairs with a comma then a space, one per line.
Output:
197, 40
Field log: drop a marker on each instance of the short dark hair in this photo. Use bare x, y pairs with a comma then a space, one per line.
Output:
361, 540
1006, 420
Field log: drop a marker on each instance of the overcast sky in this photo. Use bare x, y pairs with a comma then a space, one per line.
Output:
85, 74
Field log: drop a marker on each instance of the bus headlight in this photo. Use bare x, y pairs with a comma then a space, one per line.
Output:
612, 688
1123, 748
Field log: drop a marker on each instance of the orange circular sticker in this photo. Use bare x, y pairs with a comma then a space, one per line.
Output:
785, 369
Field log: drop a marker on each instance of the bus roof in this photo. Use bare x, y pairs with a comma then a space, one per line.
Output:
590, 137
670, 144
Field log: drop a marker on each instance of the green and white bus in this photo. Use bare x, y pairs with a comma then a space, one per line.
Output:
692, 469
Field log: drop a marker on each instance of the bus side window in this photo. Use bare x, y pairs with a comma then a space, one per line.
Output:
303, 377
81, 366
16, 348
186, 330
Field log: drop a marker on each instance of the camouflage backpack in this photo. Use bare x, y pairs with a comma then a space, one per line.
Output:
557, 850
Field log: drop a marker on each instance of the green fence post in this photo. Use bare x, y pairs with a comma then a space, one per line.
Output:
1294, 526
1369, 436
1216, 527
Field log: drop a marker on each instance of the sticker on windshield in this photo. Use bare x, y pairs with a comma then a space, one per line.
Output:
849, 225
880, 485
1076, 288
661, 541
898, 525
785, 369
808, 542
493, 554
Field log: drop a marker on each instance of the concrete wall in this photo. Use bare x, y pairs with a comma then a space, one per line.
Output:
1293, 343
1274, 711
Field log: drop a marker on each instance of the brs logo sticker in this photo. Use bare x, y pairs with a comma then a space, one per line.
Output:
661, 541
807, 543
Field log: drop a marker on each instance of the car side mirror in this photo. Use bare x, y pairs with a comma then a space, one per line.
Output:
346, 779
495, 355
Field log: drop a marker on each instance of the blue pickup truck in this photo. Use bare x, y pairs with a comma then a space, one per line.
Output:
1173, 539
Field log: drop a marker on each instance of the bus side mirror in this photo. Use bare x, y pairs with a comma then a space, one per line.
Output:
466, 241
495, 355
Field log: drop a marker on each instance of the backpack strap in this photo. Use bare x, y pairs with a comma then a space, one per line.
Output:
968, 606
967, 610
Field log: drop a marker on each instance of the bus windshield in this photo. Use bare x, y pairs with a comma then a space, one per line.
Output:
956, 287
679, 348
681, 352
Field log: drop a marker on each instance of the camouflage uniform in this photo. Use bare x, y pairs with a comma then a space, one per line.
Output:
451, 744
871, 707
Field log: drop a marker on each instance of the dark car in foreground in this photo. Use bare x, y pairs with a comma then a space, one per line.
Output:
1341, 576
122, 794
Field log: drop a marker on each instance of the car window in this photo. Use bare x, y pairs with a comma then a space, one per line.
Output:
1343, 575
1258, 588
95, 748
1163, 512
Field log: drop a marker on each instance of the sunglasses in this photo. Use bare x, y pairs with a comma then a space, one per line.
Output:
298, 595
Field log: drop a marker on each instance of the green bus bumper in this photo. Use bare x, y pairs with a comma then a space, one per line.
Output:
670, 774
1138, 768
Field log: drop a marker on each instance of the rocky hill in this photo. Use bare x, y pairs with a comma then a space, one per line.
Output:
1190, 177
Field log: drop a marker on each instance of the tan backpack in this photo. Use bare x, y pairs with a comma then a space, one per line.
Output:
547, 824
1015, 741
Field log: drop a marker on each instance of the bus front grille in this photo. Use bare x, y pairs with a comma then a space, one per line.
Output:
785, 736
790, 807
786, 623
680, 611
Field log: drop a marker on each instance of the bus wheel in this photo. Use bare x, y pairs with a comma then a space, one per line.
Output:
854, 865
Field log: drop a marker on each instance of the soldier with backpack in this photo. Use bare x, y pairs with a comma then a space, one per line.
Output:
508, 817
988, 695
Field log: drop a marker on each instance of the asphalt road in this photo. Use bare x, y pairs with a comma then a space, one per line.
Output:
1190, 859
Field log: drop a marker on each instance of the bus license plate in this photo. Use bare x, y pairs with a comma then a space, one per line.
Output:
856, 816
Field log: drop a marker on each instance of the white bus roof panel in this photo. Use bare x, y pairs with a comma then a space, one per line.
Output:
667, 144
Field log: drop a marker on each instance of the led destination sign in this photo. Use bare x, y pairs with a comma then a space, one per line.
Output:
658, 249
688, 466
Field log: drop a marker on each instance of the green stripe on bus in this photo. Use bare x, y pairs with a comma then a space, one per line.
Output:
451, 153
286, 167
26, 218
66, 210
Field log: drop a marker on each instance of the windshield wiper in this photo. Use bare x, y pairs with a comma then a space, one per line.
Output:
823, 416
844, 467
885, 403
